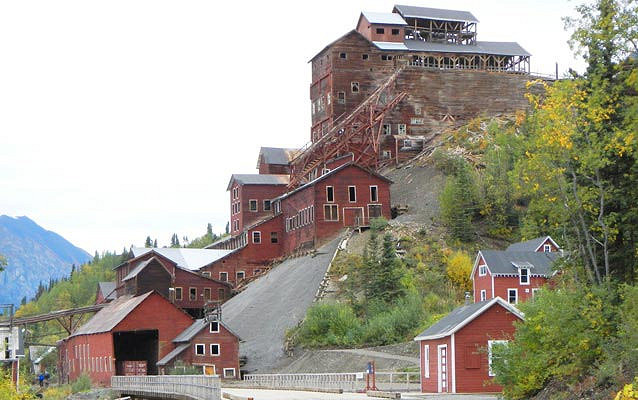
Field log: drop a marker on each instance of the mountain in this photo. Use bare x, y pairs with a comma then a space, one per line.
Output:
34, 255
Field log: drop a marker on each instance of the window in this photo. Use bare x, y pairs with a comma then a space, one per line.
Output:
214, 327
426, 360
482, 270
252, 205
330, 194
490, 357
395, 31
273, 237
374, 194
343, 55
256, 237
221, 293
192, 294
331, 212
214, 350
380, 31
352, 194
407, 143
236, 224
402, 128
524, 276
341, 97
386, 154
385, 57
240, 275
266, 205
374, 211
206, 293
364, 56
483, 295
206, 274
547, 248
512, 296
354, 86
178, 293
387, 129
223, 276
200, 350
229, 372
277, 207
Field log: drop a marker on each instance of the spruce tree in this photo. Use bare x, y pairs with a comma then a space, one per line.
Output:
155, 243
148, 242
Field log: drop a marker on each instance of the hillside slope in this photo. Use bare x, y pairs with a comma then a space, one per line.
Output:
34, 255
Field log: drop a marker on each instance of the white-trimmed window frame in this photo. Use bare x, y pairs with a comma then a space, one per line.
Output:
331, 205
258, 236
333, 194
250, 205
520, 276
482, 270
219, 349
515, 295
354, 87
181, 293
190, 289
269, 207
355, 194
210, 327
386, 129
243, 273
375, 198
547, 248
203, 347
483, 294
489, 354
223, 276
426, 360
234, 375
402, 129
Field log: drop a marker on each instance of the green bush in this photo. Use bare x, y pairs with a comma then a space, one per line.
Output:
82, 384
330, 324
378, 224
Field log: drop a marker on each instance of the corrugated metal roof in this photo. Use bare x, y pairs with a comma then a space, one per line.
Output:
176, 351
258, 179
190, 259
529, 245
108, 290
390, 45
495, 48
435, 13
503, 262
277, 155
383, 18
107, 318
195, 328
461, 316
137, 269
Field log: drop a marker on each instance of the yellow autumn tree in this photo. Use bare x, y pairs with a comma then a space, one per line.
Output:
458, 269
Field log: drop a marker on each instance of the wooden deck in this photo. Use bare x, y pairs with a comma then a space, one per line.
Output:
180, 387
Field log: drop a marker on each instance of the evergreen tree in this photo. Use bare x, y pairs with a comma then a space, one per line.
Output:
459, 202
174, 240
148, 243
209, 229
371, 261
23, 301
3, 262
227, 228
387, 277
155, 243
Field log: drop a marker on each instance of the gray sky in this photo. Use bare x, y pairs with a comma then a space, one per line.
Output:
125, 118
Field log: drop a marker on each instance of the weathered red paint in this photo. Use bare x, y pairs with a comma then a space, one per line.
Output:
245, 217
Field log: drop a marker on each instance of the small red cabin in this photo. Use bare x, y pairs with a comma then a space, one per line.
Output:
455, 354
515, 274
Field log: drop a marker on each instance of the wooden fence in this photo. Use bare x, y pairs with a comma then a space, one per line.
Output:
348, 382
187, 387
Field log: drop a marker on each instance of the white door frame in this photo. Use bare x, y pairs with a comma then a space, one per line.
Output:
440, 369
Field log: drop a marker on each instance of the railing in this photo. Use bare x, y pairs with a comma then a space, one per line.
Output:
348, 382
196, 387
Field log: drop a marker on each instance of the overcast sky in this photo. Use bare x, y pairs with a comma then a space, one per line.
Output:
125, 118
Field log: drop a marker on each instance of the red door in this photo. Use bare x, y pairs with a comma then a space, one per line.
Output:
352, 217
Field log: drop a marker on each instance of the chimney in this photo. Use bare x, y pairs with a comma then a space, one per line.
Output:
467, 298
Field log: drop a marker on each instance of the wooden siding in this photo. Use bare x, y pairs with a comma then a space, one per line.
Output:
430, 384
245, 217
482, 282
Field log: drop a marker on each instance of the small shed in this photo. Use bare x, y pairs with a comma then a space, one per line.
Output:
455, 352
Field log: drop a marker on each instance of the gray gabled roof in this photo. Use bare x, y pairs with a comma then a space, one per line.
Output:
108, 290
505, 262
188, 259
107, 318
461, 316
276, 155
494, 48
258, 179
530, 245
195, 328
137, 269
383, 18
435, 13
176, 351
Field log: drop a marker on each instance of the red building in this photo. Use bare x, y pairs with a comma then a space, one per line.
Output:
130, 329
346, 196
250, 196
275, 160
515, 274
455, 352
176, 273
209, 344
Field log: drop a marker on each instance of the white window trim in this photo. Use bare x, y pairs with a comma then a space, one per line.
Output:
230, 369
516, 297
483, 294
221, 273
264, 205
547, 248
333, 194
534, 291
355, 194
206, 274
489, 354
402, 129
210, 327
426, 360
181, 293
336, 206
203, 346
352, 86
520, 277
253, 237
240, 272
219, 349
377, 192
256, 205
387, 131
484, 269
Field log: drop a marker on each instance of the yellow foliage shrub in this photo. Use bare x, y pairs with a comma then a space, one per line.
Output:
458, 270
